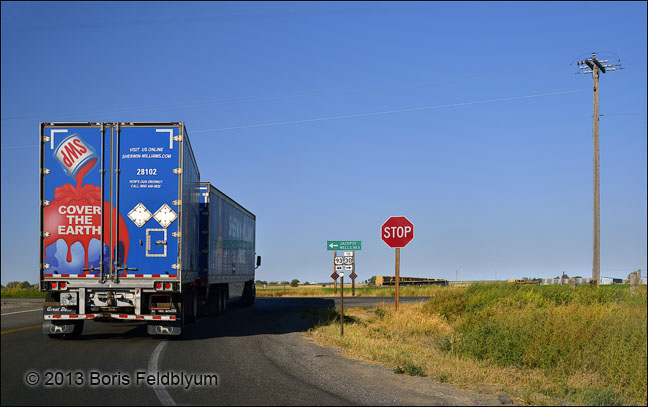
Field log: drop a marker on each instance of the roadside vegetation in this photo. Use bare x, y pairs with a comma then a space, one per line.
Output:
16, 289
544, 345
361, 290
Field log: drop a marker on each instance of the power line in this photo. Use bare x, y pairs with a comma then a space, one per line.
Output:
388, 111
365, 114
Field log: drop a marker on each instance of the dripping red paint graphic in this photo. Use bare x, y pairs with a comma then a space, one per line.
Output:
74, 214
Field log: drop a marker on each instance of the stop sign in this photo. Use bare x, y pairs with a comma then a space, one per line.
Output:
398, 231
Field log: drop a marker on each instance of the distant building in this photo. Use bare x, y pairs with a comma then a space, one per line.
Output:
532, 282
566, 281
611, 280
382, 281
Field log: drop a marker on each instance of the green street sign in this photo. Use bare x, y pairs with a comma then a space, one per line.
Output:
343, 245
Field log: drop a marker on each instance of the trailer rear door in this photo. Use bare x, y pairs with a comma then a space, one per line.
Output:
148, 197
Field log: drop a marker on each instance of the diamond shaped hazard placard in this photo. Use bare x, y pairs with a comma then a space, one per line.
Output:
165, 216
139, 215
335, 275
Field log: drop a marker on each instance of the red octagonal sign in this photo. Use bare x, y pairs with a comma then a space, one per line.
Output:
398, 231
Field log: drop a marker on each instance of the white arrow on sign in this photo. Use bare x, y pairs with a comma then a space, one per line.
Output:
333, 245
349, 268
339, 268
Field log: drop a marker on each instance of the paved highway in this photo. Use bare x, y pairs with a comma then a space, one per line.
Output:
258, 356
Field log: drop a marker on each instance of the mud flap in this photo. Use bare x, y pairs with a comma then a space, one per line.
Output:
58, 328
164, 328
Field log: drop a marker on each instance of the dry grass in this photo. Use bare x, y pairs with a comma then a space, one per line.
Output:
328, 291
544, 347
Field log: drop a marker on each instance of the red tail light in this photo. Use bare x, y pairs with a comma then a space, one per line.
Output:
158, 286
63, 285
54, 284
167, 286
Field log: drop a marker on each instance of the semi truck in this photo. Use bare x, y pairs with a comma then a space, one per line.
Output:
128, 232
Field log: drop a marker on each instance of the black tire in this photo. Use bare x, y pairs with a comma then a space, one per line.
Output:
219, 299
78, 329
52, 297
213, 301
249, 294
224, 299
189, 305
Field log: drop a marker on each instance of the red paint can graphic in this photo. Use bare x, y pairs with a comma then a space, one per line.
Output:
74, 154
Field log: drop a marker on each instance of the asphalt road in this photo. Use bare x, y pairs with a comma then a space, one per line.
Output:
249, 356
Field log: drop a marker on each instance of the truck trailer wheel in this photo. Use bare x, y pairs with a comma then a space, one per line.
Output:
249, 294
78, 329
223, 296
190, 306
213, 304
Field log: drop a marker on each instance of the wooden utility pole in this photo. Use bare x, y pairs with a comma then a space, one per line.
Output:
397, 274
596, 261
594, 66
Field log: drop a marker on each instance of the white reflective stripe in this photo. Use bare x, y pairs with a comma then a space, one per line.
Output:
149, 276
115, 316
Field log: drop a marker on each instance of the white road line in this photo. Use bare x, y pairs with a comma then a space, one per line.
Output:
161, 393
20, 312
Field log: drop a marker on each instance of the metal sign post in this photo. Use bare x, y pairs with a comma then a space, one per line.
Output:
334, 279
341, 304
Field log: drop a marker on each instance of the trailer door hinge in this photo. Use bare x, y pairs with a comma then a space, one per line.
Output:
177, 170
204, 232
46, 203
175, 234
46, 234
205, 251
177, 203
46, 139
175, 266
177, 138
46, 171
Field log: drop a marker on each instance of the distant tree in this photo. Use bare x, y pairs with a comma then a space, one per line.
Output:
273, 283
285, 282
372, 280
261, 282
25, 284
13, 284
306, 283
294, 283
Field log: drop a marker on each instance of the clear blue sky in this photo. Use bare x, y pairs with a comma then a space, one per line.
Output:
501, 189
